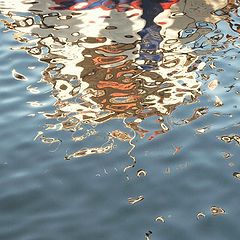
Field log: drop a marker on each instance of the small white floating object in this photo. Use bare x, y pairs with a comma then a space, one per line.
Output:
200, 215
31, 67
202, 130
18, 76
160, 219
33, 90
217, 211
213, 84
201, 66
218, 102
141, 173
40, 133
35, 104
134, 200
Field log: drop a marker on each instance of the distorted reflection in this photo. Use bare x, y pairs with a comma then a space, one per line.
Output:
124, 59
217, 211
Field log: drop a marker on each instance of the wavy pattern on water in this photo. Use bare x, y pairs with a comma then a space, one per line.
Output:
108, 62
111, 72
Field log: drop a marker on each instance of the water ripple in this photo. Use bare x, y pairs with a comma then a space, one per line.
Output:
142, 96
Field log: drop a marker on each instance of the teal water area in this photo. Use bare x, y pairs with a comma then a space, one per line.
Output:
78, 136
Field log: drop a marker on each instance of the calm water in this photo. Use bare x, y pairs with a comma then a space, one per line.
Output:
119, 120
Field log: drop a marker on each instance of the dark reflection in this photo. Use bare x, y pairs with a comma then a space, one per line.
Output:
121, 59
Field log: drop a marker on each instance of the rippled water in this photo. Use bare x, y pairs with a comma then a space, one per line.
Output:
119, 119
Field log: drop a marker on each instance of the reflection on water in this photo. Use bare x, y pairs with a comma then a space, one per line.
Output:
123, 60
104, 63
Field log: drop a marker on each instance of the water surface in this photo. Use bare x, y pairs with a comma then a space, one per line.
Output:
119, 120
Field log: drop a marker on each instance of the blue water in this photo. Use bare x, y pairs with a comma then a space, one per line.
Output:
55, 187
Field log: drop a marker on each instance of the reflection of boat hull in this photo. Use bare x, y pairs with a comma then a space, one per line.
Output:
185, 14
107, 64
97, 56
